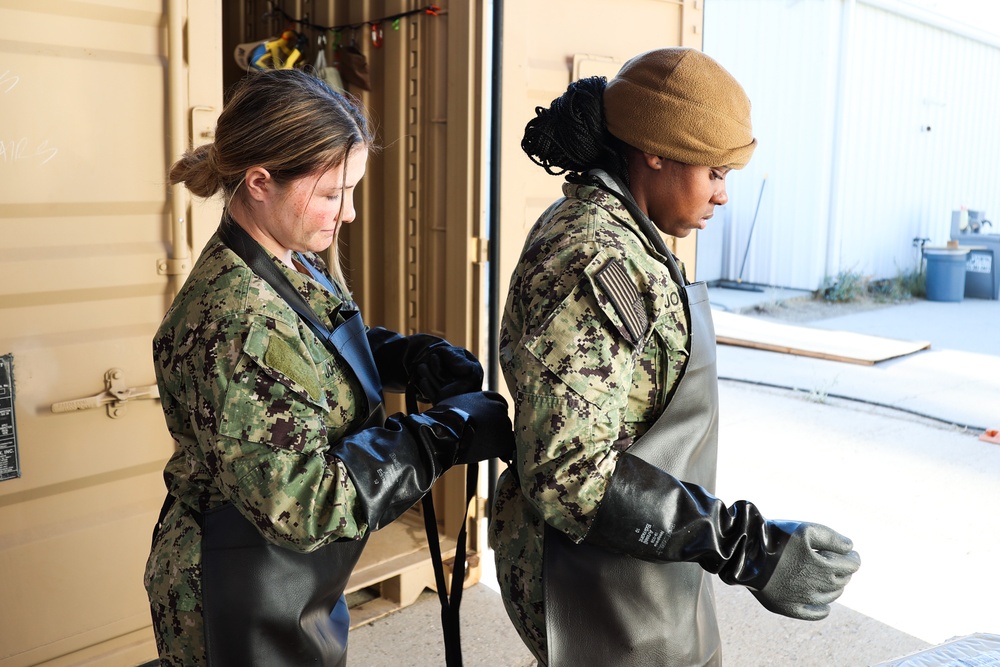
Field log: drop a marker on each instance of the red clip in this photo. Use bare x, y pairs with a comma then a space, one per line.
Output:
377, 35
433, 10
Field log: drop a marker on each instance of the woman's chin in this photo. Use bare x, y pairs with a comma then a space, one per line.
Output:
322, 241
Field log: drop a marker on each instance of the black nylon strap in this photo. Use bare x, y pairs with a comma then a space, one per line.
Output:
250, 252
344, 340
450, 625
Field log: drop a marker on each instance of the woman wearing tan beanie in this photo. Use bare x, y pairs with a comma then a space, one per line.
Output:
606, 527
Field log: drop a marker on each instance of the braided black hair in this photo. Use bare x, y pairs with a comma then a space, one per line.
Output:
572, 135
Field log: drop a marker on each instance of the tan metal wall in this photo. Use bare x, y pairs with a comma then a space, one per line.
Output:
94, 246
85, 237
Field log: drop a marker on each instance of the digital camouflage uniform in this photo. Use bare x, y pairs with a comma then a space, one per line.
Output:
253, 401
586, 381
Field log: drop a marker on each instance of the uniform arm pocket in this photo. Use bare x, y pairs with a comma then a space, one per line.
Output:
583, 345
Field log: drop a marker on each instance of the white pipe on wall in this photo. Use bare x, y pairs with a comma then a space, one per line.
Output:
179, 255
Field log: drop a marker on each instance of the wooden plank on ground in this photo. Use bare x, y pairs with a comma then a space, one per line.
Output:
846, 346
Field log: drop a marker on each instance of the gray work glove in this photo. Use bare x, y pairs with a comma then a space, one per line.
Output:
813, 570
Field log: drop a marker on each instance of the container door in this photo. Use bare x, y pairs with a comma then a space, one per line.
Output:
92, 248
417, 253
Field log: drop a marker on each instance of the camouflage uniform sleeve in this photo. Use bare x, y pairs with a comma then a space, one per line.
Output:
571, 376
279, 405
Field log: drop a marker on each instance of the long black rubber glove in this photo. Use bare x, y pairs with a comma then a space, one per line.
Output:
492, 434
394, 466
433, 366
793, 568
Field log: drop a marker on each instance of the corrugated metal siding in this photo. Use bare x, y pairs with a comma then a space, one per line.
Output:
894, 179
784, 54
924, 138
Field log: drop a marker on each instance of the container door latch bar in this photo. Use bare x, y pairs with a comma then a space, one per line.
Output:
115, 396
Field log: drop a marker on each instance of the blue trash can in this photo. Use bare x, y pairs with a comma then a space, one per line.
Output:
945, 273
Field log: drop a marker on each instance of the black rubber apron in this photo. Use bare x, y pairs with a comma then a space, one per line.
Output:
270, 606
603, 608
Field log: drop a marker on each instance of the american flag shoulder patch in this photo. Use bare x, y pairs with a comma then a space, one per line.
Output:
621, 291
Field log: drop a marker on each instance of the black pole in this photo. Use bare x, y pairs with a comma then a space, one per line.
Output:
493, 370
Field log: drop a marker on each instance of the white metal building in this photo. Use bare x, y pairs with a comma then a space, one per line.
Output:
875, 119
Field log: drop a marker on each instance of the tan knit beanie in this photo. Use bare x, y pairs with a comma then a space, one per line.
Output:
680, 104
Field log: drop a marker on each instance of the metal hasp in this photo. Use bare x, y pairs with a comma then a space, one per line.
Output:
116, 395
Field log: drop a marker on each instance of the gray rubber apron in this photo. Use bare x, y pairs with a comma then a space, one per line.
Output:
608, 609
270, 606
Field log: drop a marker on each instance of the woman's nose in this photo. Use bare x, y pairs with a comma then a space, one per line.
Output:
348, 212
720, 197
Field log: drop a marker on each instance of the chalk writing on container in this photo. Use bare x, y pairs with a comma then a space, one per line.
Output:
8, 81
16, 150
22, 148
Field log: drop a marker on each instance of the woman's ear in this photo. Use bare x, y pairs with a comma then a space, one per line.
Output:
653, 161
258, 182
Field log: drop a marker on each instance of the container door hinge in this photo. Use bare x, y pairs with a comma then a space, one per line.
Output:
481, 250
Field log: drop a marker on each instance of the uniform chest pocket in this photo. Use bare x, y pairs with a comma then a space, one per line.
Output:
281, 395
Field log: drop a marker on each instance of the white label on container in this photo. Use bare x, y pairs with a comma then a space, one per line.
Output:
979, 263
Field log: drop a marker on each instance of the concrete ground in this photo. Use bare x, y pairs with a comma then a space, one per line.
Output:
887, 454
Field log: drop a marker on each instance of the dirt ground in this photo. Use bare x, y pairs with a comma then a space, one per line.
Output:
809, 309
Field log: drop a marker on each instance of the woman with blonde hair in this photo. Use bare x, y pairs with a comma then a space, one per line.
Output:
271, 387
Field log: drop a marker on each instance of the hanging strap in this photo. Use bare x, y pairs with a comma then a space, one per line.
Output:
450, 626
348, 340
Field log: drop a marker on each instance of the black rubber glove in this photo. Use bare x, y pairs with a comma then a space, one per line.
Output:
813, 570
489, 434
435, 368
394, 466
444, 370
650, 514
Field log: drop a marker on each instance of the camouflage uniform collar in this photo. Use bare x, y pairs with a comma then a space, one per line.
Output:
228, 220
304, 284
594, 193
